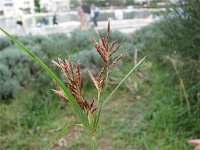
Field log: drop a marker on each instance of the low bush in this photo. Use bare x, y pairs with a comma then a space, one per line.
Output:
78, 44
32, 39
55, 45
17, 62
80, 39
5, 42
9, 86
16, 70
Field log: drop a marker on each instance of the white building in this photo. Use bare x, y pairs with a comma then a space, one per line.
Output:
1, 8
9, 8
55, 5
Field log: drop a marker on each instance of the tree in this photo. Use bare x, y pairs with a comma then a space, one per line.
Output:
37, 5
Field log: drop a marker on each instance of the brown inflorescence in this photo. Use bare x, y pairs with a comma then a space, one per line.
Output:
106, 51
74, 82
74, 78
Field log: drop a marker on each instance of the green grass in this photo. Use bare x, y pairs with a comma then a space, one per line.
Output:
25, 121
146, 112
143, 119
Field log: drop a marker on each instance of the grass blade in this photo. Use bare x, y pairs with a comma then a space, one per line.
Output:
97, 117
124, 79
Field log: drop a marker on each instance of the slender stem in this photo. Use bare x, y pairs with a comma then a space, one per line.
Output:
124, 79
106, 100
98, 98
94, 143
106, 81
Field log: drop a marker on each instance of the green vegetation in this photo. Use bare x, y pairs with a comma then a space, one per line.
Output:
158, 107
87, 113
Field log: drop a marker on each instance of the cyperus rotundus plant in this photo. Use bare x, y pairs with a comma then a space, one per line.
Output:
87, 112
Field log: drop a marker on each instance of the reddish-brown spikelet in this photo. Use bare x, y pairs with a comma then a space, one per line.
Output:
71, 68
101, 73
93, 109
101, 53
105, 50
117, 59
108, 36
60, 94
116, 48
56, 64
74, 82
86, 104
102, 83
91, 104
93, 80
61, 62
56, 84
78, 74
81, 103
102, 39
112, 44
59, 91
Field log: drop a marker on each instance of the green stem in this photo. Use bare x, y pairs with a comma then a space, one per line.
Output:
94, 143
106, 100
106, 81
98, 98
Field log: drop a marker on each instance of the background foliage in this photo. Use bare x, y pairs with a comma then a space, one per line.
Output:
150, 111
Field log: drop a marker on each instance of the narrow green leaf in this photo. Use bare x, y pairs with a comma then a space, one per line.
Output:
97, 116
94, 143
135, 67
75, 106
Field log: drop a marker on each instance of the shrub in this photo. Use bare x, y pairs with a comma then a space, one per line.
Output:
80, 39
22, 67
8, 86
131, 50
17, 70
5, 42
54, 45
17, 62
32, 39
58, 45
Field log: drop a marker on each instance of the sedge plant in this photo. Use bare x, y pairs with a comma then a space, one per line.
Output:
87, 111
